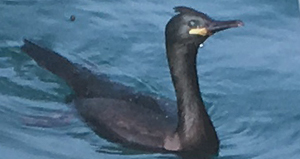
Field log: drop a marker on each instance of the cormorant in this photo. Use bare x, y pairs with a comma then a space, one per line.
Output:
119, 114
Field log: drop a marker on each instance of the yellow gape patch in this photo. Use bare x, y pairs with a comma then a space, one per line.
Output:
199, 31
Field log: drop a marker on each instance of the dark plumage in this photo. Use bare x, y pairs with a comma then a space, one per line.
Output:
120, 114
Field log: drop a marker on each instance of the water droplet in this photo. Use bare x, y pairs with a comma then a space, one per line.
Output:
72, 18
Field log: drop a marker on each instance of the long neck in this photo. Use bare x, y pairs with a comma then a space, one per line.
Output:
194, 124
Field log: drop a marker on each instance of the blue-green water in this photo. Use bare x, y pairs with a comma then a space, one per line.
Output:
249, 77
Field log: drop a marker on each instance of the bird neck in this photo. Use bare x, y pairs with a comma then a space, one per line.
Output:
194, 125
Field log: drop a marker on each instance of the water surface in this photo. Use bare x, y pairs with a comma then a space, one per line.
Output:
249, 77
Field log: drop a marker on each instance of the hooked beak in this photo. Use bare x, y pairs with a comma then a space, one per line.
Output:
216, 26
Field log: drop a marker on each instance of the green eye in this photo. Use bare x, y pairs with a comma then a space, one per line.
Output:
193, 23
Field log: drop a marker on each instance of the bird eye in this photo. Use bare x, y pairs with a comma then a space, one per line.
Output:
192, 23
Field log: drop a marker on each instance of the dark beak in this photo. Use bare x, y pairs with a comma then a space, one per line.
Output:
217, 26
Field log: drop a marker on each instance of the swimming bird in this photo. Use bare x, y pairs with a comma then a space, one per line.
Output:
120, 114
